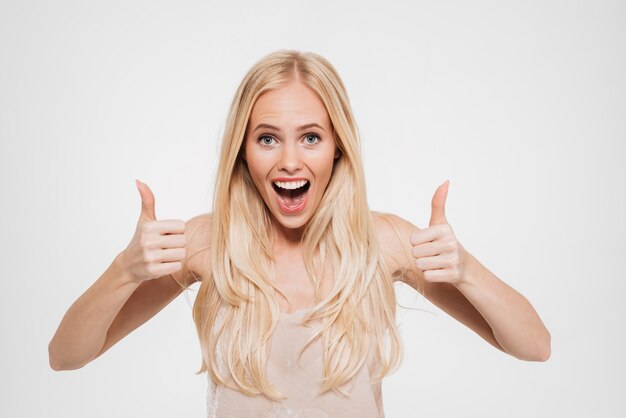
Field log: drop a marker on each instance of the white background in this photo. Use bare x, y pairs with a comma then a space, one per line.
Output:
520, 104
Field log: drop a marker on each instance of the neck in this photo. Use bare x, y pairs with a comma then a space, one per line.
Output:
286, 238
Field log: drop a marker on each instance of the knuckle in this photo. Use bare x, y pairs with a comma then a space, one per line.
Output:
145, 241
147, 256
148, 227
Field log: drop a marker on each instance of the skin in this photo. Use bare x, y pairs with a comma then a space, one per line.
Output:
280, 144
453, 279
290, 149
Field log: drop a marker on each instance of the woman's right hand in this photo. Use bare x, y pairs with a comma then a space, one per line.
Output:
158, 247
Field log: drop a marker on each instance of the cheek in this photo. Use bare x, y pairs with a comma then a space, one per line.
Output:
259, 167
259, 184
324, 164
257, 179
256, 162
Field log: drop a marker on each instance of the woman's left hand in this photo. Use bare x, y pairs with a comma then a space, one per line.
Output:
438, 254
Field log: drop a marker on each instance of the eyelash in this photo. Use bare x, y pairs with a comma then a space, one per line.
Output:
307, 135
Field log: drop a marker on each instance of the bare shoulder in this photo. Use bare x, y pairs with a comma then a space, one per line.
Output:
200, 223
198, 235
394, 237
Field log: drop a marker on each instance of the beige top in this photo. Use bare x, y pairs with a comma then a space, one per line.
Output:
299, 382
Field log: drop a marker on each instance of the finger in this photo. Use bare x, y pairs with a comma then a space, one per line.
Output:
147, 202
438, 205
163, 269
172, 241
431, 263
438, 275
426, 250
168, 226
426, 235
157, 242
170, 254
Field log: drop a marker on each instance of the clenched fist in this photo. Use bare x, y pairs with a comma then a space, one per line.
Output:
158, 247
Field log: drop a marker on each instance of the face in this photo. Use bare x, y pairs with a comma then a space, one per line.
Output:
290, 149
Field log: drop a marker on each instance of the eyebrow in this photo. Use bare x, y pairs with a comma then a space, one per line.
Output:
301, 128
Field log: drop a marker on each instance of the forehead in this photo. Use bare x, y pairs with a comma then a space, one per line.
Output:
293, 104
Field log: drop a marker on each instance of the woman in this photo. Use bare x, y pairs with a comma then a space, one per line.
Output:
296, 310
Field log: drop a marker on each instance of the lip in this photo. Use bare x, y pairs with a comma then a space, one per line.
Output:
290, 179
281, 206
292, 211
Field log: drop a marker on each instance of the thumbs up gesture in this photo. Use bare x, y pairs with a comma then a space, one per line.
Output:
158, 247
437, 252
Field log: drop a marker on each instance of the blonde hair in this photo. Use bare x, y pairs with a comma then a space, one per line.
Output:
360, 309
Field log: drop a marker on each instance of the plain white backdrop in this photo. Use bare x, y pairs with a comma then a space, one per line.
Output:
520, 104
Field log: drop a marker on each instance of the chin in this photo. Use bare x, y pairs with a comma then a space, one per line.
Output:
291, 223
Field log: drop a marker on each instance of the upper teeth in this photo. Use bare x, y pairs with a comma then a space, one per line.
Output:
290, 185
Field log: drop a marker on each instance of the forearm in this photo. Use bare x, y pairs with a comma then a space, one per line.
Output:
514, 322
84, 327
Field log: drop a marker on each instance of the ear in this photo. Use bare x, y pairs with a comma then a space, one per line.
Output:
337, 150
242, 151
242, 146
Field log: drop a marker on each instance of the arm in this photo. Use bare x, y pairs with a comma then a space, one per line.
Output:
479, 300
112, 308
83, 329
515, 323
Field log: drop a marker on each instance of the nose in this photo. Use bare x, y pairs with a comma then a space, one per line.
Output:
290, 160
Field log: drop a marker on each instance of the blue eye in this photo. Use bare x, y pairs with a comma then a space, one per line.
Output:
311, 139
266, 139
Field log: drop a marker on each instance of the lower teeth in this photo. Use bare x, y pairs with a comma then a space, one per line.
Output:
298, 200
289, 200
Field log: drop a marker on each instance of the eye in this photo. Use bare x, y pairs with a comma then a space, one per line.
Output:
311, 139
266, 139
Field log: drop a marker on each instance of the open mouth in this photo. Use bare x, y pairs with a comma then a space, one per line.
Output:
292, 195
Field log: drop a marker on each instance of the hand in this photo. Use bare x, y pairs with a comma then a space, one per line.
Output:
158, 247
437, 252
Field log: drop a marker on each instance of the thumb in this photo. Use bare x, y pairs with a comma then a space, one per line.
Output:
438, 213
147, 202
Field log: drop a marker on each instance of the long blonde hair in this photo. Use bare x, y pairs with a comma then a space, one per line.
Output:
360, 309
